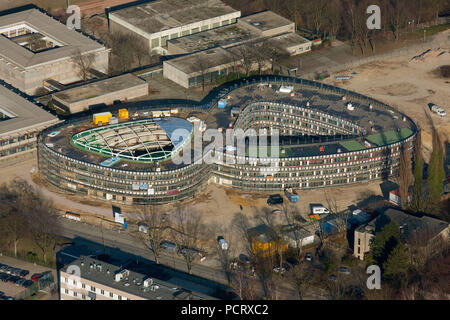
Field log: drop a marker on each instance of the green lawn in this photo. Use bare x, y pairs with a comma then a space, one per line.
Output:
352, 145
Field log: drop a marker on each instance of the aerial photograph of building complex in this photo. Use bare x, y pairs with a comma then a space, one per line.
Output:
225, 150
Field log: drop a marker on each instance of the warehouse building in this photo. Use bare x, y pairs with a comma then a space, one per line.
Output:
34, 47
125, 87
20, 123
154, 23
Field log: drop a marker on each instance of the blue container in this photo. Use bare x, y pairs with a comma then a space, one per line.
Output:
222, 104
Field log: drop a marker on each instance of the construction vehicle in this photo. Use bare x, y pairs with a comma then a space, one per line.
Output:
291, 194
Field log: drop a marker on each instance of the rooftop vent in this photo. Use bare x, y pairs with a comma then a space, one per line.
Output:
148, 282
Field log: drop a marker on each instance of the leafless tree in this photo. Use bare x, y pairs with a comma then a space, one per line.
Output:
186, 232
405, 177
245, 287
155, 224
13, 222
202, 68
84, 62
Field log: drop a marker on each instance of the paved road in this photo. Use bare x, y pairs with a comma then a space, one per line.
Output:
82, 233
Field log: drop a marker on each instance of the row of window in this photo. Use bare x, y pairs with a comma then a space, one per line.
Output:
156, 42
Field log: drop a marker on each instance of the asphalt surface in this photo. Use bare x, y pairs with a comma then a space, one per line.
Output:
117, 244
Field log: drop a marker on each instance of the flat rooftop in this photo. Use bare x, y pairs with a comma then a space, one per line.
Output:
99, 88
22, 114
132, 282
202, 60
68, 41
265, 20
220, 37
288, 40
162, 15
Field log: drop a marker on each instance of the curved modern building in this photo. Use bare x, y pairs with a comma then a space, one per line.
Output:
327, 137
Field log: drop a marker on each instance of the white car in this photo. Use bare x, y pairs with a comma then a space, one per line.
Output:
441, 112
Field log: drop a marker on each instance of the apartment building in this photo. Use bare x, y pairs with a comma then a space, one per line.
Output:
409, 226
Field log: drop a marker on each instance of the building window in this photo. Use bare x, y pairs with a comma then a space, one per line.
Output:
102, 292
83, 297
164, 40
155, 43
174, 35
204, 28
83, 286
66, 291
119, 297
359, 250
93, 289
111, 295
75, 294
359, 242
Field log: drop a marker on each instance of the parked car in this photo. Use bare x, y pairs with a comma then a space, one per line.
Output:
169, 247
222, 243
244, 259
9, 270
308, 257
13, 279
20, 282
35, 277
292, 261
332, 277
344, 270
279, 269
27, 283
3, 267
275, 199
4, 277
24, 273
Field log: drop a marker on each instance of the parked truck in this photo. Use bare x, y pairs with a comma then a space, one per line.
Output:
438, 110
291, 194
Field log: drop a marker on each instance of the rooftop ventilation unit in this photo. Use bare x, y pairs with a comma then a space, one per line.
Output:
148, 282
120, 275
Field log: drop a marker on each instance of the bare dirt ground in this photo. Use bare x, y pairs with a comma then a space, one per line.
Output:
409, 84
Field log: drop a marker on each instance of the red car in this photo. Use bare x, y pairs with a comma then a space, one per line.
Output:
35, 277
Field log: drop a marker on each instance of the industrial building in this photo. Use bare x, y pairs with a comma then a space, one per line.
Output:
409, 226
207, 55
35, 47
20, 123
100, 280
121, 88
156, 22
328, 137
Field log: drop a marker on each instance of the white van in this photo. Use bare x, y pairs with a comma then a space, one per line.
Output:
319, 210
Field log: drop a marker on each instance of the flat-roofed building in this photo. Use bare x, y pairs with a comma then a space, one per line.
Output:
107, 91
99, 280
20, 123
35, 47
268, 23
279, 31
156, 22
291, 43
